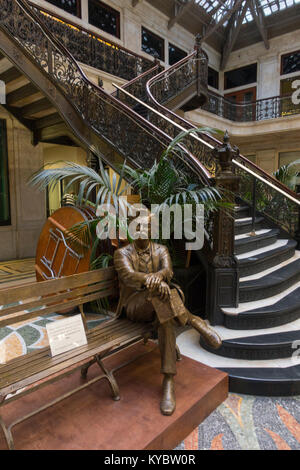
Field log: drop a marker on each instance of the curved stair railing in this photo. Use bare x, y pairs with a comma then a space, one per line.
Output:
114, 122
89, 48
267, 193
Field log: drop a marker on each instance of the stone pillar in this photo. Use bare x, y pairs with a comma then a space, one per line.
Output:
223, 272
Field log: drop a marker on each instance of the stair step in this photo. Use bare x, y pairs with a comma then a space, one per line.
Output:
275, 311
260, 347
241, 211
259, 260
263, 238
244, 225
269, 382
276, 377
271, 284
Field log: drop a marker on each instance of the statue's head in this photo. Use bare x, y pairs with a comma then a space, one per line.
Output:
143, 226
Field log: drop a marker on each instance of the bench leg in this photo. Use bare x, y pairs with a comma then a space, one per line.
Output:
111, 379
6, 430
85, 368
178, 354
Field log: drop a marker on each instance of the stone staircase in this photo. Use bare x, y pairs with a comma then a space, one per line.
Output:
262, 334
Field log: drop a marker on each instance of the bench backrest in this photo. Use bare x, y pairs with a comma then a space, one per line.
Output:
57, 295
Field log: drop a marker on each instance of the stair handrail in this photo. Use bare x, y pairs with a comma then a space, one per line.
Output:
215, 142
161, 137
284, 190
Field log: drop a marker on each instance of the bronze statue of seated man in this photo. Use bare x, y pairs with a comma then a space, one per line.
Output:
146, 295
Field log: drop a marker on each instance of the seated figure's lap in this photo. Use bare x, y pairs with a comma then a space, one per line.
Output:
139, 308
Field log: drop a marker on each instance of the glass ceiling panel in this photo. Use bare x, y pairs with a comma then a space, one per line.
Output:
218, 8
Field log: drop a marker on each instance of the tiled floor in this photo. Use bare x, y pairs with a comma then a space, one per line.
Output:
16, 270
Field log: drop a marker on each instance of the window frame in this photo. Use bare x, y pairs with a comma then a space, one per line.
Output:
157, 37
239, 68
78, 14
111, 10
281, 62
175, 47
209, 67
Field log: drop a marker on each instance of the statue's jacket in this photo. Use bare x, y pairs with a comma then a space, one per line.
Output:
126, 261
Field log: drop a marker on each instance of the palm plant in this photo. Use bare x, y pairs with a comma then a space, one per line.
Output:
163, 184
287, 174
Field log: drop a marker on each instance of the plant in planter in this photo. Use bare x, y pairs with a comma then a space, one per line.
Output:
163, 184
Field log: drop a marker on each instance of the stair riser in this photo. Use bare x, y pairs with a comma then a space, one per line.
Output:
253, 322
241, 214
263, 388
240, 230
260, 293
254, 244
261, 265
256, 353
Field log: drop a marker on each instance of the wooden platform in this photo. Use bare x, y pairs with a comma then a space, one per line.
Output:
92, 420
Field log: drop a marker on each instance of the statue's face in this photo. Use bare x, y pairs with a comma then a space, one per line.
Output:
144, 229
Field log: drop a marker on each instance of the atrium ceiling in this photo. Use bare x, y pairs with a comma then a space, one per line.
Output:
228, 25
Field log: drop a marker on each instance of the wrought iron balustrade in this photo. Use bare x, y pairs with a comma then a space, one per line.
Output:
91, 49
259, 110
125, 131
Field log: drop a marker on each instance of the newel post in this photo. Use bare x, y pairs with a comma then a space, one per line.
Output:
223, 270
201, 68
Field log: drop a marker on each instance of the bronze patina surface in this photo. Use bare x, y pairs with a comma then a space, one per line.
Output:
147, 295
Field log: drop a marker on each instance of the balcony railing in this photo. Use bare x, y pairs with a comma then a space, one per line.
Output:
260, 110
94, 50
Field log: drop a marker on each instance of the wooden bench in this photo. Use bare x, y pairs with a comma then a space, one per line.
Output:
34, 370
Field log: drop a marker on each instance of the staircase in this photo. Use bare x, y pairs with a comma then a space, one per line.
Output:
261, 335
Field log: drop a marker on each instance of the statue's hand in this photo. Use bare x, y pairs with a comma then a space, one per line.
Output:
153, 281
164, 291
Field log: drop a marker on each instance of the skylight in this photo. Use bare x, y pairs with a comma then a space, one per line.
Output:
218, 8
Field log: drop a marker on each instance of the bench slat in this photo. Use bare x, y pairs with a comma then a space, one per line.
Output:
16, 318
60, 297
64, 364
36, 289
37, 357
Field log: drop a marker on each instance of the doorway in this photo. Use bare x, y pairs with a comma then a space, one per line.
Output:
246, 106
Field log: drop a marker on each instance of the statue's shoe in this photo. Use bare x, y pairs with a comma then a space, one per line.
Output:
209, 335
168, 402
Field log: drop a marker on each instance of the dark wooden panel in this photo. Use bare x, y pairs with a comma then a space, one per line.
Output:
10, 75
36, 107
41, 123
21, 93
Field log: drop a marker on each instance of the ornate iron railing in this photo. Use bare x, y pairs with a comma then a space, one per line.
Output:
124, 130
94, 50
270, 192
259, 110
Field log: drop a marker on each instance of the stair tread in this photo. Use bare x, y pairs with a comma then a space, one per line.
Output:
267, 233
271, 339
265, 254
287, 303
291, 373
272, 279
247, 221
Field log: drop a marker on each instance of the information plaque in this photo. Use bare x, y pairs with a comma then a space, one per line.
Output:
66, 334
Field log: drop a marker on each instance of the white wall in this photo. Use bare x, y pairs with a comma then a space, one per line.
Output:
268, 62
